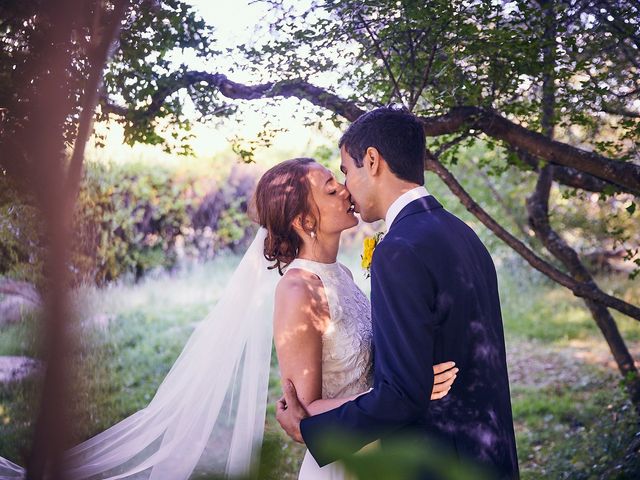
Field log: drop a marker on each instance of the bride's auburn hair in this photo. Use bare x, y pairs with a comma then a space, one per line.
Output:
282, 194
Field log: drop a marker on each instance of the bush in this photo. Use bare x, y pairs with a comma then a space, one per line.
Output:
21, 254
131, 219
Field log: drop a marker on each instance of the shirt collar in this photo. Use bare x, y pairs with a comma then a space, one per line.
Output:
402, 201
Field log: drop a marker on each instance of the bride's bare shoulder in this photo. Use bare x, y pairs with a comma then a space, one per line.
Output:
300, 293
298, 283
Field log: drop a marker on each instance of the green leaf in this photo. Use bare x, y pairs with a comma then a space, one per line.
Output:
631, 208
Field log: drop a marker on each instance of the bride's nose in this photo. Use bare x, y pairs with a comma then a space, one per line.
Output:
343, 192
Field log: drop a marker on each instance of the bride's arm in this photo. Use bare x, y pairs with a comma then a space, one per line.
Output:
301, 314
444, 374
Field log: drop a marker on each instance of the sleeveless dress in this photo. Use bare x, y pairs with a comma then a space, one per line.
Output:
346, 348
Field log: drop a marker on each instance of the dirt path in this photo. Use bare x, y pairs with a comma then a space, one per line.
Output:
536, 364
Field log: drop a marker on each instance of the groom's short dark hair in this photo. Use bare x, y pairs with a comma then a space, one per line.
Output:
396, 134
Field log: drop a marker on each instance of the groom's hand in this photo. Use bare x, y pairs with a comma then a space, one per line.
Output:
289, 412
443, 377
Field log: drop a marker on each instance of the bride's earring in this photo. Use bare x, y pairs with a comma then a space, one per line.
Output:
313, 234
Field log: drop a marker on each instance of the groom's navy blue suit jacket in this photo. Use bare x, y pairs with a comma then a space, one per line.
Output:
434, 297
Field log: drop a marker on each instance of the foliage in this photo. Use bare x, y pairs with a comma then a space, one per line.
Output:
436, 55
134, 219
155, 37
603, 229
21, 252
402, 459
431, 56
598, 224
131, 218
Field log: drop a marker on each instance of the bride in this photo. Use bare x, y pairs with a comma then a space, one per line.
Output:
207, 416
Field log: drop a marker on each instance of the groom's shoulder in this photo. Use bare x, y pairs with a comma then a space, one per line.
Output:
414, 230
397, 237
434, 231
394, 251
438, 223
395, 242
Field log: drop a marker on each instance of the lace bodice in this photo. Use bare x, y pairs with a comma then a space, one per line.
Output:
346, 344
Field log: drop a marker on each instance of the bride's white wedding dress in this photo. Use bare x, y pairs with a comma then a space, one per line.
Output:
346, 348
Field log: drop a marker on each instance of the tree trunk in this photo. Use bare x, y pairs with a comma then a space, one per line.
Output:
55, 187
539, 220
538, 209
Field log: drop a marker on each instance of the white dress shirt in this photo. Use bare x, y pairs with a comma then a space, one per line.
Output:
402, 201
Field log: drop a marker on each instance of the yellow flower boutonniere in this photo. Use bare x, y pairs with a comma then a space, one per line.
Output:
370, 244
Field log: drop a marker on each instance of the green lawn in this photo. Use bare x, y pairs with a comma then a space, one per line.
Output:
572, 417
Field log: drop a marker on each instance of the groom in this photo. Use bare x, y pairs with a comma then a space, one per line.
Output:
434, 297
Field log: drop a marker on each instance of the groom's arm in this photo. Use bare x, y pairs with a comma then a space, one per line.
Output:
402, 296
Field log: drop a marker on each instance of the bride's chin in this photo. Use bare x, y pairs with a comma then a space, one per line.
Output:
353, 224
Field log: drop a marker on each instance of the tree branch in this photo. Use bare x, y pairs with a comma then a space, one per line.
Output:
99, 56
570, 177
625, 175
583, 290
617, 110
425, 77
446, 146
238, 91
382, 56
538, 208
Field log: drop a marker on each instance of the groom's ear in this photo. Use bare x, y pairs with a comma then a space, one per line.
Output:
372, 159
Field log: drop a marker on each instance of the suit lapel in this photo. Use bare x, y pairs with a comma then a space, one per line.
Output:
423, 204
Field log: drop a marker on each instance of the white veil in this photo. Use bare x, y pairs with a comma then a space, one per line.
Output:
208, 414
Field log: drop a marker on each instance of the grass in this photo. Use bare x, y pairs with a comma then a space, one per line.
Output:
573, 419
534, 307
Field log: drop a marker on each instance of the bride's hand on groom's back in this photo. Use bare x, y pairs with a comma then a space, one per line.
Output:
290, 412
444, 374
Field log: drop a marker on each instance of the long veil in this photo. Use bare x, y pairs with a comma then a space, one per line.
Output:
207, 416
